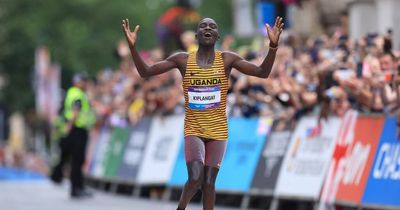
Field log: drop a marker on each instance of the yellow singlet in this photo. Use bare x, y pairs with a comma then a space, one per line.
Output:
205, 91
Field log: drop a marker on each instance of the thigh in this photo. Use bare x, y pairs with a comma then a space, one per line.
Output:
215, 150
194, 149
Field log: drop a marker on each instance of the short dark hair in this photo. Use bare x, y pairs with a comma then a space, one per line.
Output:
80, 76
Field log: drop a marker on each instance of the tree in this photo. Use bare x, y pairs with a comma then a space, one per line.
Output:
81, 35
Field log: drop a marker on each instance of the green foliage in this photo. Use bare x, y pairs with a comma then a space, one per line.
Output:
220, 11
80, 34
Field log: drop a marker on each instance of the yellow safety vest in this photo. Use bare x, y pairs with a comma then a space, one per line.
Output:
86, 117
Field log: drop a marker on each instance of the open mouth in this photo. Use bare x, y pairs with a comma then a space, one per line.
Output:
207, 35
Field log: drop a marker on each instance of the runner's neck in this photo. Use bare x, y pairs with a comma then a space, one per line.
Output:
205, 56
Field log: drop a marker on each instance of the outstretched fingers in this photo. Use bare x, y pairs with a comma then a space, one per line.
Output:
136, 29
124, 25
127, 24
281, 27
268, 27
277, 21
279, 24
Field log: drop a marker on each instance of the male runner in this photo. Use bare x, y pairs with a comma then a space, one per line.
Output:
205, 83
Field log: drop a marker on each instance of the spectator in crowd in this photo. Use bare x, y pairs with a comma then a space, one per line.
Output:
189, 41
173, 23
330, 73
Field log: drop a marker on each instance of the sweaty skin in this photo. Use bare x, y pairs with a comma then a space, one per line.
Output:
207, 35
202, 173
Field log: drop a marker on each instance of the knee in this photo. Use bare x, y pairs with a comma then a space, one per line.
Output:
208, 184
196, 174
195, 181
210, 177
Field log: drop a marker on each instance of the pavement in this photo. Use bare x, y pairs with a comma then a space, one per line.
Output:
41, 194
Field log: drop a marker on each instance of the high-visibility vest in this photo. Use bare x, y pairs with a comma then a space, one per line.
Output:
86, 117
60, 128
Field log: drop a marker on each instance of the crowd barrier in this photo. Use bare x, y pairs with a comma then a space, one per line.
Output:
353, 160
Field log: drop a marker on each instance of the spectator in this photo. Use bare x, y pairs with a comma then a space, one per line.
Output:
331, 73
172, 23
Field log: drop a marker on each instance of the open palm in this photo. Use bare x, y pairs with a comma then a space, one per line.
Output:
275, 32
129, 35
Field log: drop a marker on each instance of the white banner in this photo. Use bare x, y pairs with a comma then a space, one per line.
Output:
337, 167
308, 158
162, 149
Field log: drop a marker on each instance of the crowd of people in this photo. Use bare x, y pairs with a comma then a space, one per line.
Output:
326, 75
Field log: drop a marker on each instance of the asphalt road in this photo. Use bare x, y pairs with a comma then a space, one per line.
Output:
43, 195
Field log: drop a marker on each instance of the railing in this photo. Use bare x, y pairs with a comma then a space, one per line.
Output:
350, 161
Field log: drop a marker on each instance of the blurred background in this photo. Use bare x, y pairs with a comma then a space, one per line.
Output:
320, 133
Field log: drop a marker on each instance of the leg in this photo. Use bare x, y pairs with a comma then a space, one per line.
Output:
57, 172
79, 140
215, 151
194, 154
208, 187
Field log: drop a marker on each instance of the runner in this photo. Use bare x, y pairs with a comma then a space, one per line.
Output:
205, 75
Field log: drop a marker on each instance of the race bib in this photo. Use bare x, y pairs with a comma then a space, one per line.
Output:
203, 98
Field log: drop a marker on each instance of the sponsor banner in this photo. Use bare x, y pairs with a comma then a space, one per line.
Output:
345, 138
91, 149
351, 160
308, 157
19, 174
97, 167
161, 150
119, 139
354, 167
246, 139
179, 174
134, 150
270, 161
383, 187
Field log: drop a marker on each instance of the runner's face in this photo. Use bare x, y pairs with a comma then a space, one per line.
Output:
207, 32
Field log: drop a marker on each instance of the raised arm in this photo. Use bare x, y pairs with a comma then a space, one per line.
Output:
174, 61
233, 60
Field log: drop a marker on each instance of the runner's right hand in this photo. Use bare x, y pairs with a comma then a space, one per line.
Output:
129, 35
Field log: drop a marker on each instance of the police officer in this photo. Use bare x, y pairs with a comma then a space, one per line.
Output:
78, 118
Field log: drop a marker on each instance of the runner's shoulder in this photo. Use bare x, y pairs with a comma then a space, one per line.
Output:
229, 56
179, 57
